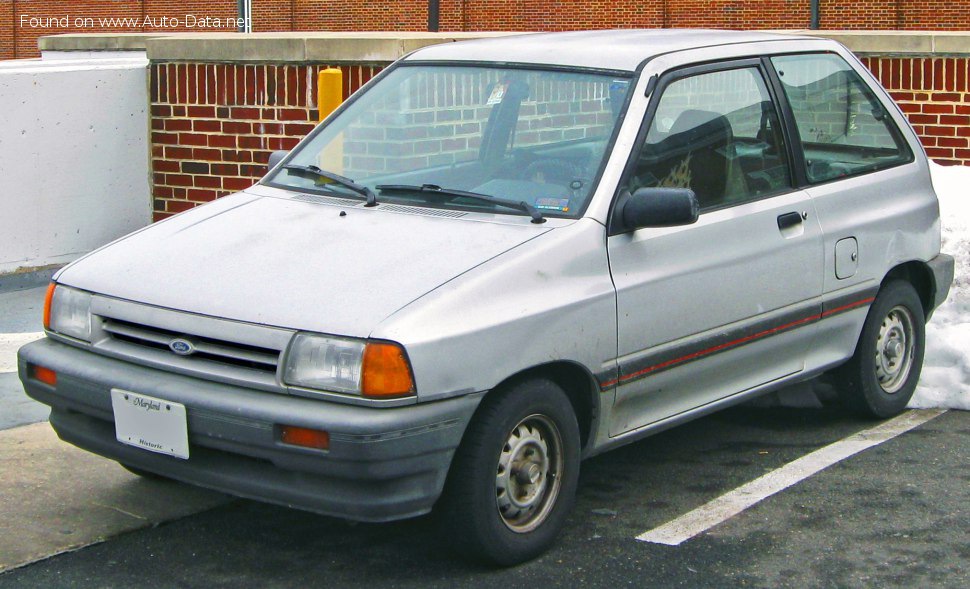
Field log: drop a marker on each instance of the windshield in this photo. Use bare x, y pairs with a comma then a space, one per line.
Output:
521, 135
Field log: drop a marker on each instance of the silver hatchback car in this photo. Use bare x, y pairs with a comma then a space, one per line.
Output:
502, 257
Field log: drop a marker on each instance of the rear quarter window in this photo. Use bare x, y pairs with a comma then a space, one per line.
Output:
844, 129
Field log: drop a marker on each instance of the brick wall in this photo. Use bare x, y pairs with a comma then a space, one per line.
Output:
935, 95
214, 125
482, 15
54, 17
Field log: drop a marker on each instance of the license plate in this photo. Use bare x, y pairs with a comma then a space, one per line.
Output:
149, 423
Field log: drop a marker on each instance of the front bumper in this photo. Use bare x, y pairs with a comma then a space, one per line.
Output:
942, 268
383, 463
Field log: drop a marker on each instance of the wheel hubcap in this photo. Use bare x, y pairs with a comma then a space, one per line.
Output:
527, 476
895, 349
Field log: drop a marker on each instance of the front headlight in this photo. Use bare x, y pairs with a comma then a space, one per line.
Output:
68, 312
352, 366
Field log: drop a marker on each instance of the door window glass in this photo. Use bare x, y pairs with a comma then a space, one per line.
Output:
716, 133
843, 128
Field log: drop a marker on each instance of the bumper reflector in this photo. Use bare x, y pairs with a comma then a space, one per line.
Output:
44, 375
302, 436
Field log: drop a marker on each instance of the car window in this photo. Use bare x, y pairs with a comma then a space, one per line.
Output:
843, 128
716, 133
525, 135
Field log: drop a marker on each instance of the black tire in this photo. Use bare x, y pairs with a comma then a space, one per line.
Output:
881, 377
495, 512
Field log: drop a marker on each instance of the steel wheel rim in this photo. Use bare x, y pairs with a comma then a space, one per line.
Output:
528, 474
895, 349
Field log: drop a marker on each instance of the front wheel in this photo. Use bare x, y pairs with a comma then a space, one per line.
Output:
513, 479
881, 377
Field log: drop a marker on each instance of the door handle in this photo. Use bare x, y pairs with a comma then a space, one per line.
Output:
789, 220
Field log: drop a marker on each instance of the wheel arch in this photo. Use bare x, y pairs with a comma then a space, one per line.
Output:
578, 384
920, 276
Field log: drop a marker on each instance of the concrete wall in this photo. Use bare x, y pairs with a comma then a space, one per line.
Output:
74, 165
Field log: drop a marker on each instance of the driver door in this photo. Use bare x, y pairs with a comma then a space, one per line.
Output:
725, 305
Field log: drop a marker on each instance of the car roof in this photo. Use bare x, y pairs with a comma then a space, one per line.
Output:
620, 49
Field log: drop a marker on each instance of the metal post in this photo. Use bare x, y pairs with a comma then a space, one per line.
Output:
815, 16
244, 8
434, 10
241, 12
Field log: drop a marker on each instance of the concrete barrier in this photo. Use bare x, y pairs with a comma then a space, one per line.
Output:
74, 156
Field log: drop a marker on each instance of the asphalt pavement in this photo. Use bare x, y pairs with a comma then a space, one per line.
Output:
895, 515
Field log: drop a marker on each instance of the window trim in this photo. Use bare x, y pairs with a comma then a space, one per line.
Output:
615, 225
791, 124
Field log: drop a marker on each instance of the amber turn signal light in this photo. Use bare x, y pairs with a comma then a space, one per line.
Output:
44, 375
304, 436
386, 372
47, 305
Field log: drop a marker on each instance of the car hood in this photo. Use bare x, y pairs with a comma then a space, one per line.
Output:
286, 263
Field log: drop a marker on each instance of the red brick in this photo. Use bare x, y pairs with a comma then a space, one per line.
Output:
192, 83
921, 119
955, 119
202, 195
178, 124
192, 139
207, 126
236, 183
164, 138
937, 108
250, 142
210, 155
294, 114
178, 206
225, 169
952, 142
201, 112
236, 127
297, 129
208, 182
178, 153
165, 166
222, 141
162, 192
244, 113
178, 180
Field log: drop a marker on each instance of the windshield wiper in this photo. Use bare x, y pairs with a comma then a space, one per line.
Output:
338, 179
435, 189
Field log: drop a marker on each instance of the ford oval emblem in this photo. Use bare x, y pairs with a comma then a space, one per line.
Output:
182, 347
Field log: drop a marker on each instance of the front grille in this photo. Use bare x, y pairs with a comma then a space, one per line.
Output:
225, 352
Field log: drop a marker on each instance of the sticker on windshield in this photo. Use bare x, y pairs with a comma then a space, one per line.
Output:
553, 204
498, 93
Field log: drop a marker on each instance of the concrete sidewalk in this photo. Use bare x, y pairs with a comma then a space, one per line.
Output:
56, 497
20, 322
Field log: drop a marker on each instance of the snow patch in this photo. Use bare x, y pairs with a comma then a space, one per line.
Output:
945, 381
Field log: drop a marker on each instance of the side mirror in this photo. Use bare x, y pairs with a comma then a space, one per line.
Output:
275, 158
659, 207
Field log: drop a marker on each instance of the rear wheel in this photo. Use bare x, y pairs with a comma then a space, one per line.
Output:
881, 377
513, 480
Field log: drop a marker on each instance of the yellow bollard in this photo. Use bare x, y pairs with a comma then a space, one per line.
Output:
330, 91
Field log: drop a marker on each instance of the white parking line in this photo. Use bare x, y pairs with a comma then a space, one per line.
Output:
734, 502
9, 344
